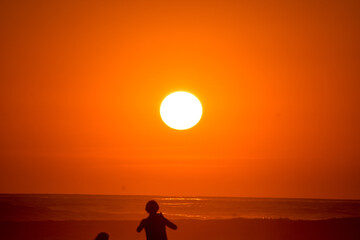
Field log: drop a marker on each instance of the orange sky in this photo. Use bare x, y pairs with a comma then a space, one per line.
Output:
82, 82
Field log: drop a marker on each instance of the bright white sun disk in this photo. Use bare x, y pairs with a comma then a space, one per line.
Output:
181, 110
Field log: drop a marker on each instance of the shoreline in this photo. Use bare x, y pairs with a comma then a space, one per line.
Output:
185, 220
240, 228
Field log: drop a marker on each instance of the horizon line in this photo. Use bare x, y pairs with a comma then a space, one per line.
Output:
182, 196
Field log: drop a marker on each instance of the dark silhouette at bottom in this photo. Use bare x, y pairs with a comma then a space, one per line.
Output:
102, 236
155, 224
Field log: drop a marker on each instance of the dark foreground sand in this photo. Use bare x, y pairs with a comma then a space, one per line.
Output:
187, 229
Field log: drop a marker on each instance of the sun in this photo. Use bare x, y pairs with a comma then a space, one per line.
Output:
181, 110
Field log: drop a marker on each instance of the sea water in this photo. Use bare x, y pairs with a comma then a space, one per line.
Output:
42, 207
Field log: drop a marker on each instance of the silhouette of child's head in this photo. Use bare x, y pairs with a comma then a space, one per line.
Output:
102, 236
152, 207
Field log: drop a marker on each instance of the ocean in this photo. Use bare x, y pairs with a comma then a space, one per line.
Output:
59, 207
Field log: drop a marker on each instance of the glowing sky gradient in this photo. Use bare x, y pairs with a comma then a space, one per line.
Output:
82, 82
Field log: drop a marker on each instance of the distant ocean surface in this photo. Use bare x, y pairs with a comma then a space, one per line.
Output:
42, 207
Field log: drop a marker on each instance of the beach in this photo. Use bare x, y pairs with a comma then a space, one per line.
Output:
82, 217
270, 229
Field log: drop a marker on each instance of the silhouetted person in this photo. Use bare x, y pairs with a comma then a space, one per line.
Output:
102, 236
155, 223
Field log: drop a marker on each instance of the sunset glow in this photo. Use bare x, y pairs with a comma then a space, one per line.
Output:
228, 119
82, 84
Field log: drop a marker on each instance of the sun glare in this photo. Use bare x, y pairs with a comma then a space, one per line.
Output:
181, 110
